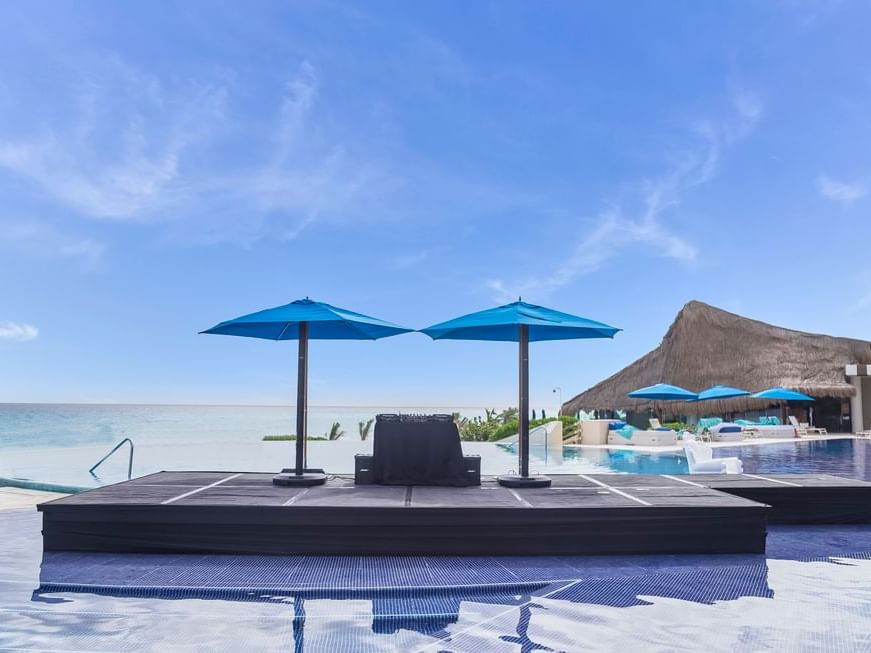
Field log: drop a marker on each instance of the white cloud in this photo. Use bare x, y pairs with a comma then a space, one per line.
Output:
614, 230
125, 145
17, 331
44, 240
115, 150
841, 191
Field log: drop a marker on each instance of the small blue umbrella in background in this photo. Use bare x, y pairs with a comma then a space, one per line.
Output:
663, 392
305, 320
721, 392
782, 396
522, 323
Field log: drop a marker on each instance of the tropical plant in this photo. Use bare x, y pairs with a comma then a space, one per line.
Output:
477, 429
335, 432
364, 428
482, 429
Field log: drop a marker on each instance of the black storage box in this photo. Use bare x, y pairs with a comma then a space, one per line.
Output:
472, 469
364, 469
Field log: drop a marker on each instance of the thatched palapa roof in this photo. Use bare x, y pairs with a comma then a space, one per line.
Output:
708, 346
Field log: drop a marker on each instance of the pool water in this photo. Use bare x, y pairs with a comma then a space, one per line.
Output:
841, 457
810, 592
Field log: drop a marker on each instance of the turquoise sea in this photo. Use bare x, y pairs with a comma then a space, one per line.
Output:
58, 443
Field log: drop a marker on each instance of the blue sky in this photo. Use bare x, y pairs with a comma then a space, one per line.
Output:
164, 167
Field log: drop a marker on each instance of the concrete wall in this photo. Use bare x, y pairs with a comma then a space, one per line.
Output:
865, 421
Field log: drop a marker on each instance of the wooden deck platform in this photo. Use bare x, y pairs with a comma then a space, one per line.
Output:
231, 512
245, 513
798, 498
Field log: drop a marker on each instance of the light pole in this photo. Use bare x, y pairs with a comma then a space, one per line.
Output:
559, 391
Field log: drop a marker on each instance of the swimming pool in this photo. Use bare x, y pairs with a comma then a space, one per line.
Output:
841, 457
810, 592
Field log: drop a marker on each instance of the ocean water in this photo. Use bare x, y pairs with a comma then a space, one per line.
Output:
57, 443
75, 425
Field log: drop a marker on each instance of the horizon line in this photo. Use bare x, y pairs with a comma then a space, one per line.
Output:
231, 405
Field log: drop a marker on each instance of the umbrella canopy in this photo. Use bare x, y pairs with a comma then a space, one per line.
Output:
663, 392
782, 394
721, 392
501, 324
520, 322
302, 320
324, 322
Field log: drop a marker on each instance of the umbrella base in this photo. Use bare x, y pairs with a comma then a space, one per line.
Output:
523, 481
309, 477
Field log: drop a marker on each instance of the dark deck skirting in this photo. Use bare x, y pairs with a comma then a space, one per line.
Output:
227, 512
799, 498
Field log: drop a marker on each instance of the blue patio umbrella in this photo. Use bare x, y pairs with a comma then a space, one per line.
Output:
721, 392
663, 392
305, 320
781, 394
522, 323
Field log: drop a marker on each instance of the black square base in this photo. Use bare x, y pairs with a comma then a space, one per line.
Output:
309, 478
523, 481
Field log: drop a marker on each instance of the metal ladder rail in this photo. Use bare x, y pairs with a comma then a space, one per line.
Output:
114, 449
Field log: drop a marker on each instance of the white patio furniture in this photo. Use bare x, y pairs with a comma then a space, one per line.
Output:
804, 429
700, 458
726, 432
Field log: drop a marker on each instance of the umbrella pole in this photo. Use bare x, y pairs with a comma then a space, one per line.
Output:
523, 400
524, 479
301, 398
299, 475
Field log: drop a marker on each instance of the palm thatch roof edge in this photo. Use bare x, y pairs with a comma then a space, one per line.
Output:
706, 346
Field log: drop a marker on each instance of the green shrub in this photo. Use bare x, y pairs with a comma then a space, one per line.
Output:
285, 438
498, 425
570, 427
677, 426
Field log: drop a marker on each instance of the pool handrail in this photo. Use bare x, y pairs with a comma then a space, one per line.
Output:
114, 449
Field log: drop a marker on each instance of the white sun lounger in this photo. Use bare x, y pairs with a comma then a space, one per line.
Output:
645, 438
701, 460
718, 434
804, 429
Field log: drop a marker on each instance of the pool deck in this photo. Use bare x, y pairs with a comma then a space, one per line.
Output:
13, 498
234, 512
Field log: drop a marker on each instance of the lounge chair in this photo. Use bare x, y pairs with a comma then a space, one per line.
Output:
727, 432
629, 435
700, 458
804, 429
656, 438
